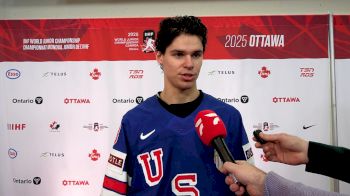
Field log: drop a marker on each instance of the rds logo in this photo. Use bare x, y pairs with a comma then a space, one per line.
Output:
13, 74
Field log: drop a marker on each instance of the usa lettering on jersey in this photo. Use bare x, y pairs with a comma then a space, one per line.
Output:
181, 184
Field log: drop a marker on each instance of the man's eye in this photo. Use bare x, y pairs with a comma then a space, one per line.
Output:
178, 54
197, 55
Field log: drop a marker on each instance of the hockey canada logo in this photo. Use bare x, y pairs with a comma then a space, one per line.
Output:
54, 126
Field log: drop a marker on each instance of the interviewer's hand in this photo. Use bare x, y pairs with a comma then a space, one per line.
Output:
246, 174
284, 148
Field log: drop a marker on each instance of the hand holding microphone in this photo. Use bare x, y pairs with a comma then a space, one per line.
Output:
282, 147
211, 130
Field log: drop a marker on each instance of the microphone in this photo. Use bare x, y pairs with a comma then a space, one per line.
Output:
211, 130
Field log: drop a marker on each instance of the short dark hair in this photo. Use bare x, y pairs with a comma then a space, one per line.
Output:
170, 28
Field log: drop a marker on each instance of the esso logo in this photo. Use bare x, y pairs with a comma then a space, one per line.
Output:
13, 74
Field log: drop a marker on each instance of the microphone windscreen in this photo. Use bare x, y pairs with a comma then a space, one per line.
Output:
209, 126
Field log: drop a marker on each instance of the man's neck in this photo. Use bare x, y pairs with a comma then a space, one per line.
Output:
178, 97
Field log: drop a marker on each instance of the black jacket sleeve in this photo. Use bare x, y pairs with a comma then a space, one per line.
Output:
329, 160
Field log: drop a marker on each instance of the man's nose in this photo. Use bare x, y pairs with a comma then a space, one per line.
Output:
188, 61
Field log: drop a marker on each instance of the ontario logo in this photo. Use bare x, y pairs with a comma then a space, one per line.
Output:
35, 181
138, 100
242, 99
37, 100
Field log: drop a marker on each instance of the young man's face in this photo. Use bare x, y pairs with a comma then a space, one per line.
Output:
182, 62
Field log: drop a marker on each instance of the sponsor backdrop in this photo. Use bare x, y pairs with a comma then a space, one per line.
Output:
342, 69
65, 85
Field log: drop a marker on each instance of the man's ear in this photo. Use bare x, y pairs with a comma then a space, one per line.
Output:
159, 58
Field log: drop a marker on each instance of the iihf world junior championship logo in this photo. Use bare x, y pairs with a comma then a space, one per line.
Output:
148, 41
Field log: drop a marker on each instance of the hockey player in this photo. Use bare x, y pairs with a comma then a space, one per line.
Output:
157, 150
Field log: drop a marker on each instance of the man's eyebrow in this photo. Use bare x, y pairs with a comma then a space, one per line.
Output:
183, 51
177, 51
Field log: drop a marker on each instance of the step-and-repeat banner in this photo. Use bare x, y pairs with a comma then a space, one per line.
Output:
65, 85
342, 69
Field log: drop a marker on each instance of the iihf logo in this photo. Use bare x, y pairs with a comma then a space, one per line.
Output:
148, 41
95, 74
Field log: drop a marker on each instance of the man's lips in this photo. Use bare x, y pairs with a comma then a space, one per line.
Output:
187, 77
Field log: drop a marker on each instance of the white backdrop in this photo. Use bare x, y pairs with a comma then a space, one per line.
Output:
61, 146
